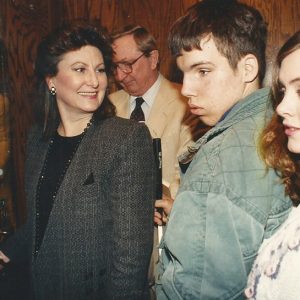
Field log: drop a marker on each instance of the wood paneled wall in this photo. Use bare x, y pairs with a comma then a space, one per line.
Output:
22, 25
24, 22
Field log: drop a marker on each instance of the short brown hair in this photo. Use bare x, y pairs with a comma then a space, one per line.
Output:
144, 40
237, 30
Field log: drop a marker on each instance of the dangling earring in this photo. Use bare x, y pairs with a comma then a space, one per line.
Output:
52, 91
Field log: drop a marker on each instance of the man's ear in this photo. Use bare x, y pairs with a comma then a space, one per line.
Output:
154, 58
250, 68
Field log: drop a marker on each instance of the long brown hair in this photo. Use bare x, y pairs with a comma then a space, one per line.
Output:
273, 142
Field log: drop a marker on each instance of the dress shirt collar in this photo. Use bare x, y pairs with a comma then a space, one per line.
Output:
150, 95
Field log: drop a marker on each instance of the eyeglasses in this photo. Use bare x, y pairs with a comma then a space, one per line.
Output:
126, 67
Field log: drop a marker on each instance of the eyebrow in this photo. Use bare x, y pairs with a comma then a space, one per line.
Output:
200, 63
124, 61
81, 62
295, 80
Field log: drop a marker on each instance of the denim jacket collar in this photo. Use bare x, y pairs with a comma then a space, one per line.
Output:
250, 105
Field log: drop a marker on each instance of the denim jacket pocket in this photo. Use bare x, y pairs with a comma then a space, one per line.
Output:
169, 264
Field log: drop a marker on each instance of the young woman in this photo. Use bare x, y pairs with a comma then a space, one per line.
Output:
276, 272
89, 180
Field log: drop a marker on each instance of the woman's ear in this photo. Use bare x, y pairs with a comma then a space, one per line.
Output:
49, 82
250, 68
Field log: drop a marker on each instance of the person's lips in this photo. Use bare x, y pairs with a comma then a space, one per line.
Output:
196, 110
290, 130
88, 94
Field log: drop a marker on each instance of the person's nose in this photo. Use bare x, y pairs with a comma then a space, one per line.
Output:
286, 106
187, 89
92, 79
119, 74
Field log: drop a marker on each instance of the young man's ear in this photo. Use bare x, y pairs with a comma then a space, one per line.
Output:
250, 66
154, 58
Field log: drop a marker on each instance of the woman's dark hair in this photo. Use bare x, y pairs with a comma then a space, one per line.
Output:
68, 37
273, 142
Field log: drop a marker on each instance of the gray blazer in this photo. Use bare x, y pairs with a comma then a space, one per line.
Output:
98, 241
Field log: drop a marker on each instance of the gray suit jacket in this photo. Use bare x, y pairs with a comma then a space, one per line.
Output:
98, 241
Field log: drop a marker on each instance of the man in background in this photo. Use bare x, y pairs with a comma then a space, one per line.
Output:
226, 203
147, 96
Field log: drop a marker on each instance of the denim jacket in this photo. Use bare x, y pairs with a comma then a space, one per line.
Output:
226, 205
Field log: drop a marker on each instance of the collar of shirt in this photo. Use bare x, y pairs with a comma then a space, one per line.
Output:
148, 97
226, 113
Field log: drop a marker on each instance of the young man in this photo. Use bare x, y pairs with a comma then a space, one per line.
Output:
227, 203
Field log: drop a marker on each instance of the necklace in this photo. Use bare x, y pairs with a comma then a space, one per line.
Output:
62, 150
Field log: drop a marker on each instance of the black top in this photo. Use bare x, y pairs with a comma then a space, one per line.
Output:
59, 156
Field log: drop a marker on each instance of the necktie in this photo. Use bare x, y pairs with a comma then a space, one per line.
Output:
138, 114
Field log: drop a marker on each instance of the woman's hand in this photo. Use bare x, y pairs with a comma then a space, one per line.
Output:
3, 258
166, 204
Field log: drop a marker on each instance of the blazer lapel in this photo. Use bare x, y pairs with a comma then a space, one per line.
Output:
159, 113
80, 167
34, 164
123, 105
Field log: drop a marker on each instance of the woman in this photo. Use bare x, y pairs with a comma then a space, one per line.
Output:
276, 272
89, 180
